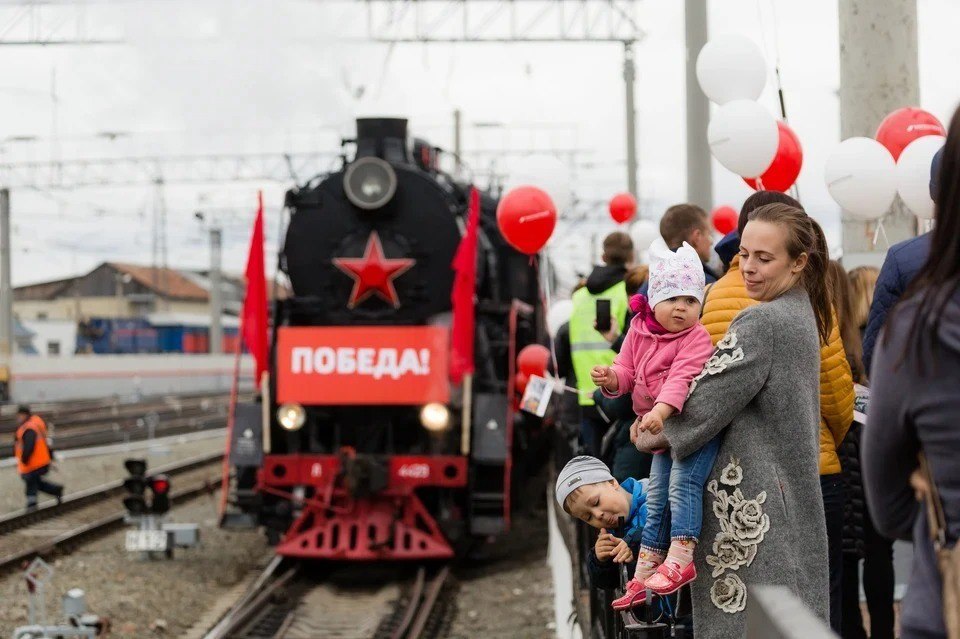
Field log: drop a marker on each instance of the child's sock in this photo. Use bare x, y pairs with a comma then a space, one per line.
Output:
681, 552
648, 560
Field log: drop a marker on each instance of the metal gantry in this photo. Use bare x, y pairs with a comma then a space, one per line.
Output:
518, 21
503, 21
48, 23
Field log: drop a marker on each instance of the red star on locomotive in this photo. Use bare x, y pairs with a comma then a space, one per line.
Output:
373, 273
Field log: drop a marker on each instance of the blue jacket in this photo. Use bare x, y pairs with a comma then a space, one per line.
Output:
904, 260
605, 574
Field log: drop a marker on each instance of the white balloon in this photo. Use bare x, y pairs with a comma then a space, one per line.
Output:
558, 315
658, 246
913, 174
731, 67
643, 233
544, 172
743, 136
861, 177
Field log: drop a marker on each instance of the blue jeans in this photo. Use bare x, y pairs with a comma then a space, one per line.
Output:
675, 496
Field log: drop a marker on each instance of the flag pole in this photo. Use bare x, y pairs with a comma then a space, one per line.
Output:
231, 415
467, 414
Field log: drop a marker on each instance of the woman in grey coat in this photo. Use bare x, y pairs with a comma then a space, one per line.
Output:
763, 516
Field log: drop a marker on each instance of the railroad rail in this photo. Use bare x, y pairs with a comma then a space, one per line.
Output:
284, 603
119, 423
93, 513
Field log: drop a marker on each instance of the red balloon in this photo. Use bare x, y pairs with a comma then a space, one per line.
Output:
725, 219
783, 171
905, 125
533, 359
623, 206
526, 216
520, 382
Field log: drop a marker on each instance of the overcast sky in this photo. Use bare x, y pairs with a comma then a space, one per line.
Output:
259, 76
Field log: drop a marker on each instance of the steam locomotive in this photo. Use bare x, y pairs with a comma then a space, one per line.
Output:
360, 447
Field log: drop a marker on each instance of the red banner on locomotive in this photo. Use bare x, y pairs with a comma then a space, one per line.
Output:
332, 365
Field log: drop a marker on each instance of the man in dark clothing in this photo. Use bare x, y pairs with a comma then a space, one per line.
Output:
904, 260
33, 456
688, 223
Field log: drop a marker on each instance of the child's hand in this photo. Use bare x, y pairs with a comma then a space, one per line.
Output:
652, 422
605, 545
605, 377
622, 553
612, 334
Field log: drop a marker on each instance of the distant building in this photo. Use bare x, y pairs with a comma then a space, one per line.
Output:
127, 308
117, 290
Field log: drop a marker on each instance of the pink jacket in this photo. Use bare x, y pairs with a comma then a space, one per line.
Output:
659, 368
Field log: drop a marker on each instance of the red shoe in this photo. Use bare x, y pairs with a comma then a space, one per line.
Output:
669, 578
636, 594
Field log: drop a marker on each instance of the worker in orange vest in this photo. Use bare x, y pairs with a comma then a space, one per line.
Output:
33, 456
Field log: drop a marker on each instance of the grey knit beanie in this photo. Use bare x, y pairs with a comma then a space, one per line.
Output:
580, 471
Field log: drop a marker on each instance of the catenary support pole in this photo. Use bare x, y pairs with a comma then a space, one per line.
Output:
216, 293
629, 79
699, 176
457, 139
6, 288
878, 73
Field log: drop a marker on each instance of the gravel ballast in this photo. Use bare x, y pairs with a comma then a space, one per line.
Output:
144, 598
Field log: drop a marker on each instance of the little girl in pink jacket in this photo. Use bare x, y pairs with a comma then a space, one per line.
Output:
665, 348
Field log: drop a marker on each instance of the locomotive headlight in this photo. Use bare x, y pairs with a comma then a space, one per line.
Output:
291, 416
435, 417
369, 183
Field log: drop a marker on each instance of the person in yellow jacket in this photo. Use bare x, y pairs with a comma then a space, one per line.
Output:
33, 456
725, 299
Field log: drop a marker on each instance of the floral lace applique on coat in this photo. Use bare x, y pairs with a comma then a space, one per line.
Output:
720, 360
742, 527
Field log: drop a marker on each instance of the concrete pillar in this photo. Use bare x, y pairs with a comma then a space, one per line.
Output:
878, 73
699, 176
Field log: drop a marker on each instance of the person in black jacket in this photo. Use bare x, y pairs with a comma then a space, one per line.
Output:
915, 407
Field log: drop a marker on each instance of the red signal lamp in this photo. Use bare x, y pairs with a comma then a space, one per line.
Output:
160, 485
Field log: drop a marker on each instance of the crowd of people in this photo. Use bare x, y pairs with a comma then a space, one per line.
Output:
779, 423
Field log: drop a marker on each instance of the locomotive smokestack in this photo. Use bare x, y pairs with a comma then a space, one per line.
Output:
385, 138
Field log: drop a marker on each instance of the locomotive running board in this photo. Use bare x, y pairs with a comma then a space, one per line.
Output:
395, 527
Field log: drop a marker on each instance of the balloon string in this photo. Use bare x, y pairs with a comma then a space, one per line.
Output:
876, 235
760, 186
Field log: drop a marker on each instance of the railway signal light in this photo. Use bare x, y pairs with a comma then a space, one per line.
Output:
136, 485
160, 488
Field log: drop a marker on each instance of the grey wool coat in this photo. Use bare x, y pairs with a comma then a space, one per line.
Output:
763, 520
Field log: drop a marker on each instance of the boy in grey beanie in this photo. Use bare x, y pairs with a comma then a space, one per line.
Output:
586, 490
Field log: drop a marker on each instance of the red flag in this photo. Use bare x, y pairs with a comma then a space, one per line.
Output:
464, 286
254, 317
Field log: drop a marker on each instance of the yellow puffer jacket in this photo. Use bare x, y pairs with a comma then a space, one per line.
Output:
727, 298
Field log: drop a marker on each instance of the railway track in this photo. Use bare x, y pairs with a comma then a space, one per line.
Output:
111, 423
81, 516
286, 602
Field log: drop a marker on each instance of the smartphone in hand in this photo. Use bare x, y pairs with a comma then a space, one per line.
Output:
603, 315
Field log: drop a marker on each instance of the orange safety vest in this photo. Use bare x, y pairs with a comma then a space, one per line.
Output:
41, 452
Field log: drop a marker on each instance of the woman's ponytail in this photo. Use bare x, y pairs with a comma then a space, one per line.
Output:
815, 279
